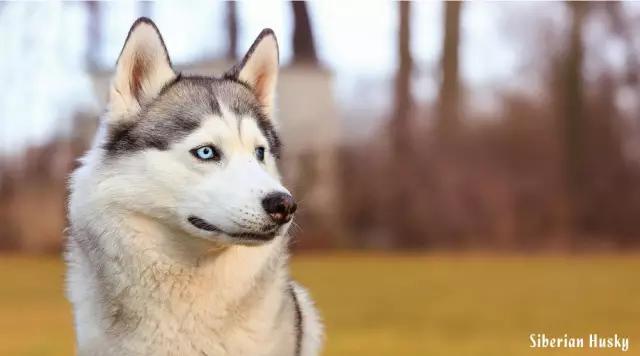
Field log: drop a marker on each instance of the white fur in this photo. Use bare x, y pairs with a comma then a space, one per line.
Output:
143, 281
183, 288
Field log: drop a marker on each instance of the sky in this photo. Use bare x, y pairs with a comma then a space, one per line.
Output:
43, 49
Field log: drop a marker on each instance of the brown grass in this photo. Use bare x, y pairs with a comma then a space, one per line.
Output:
392, 305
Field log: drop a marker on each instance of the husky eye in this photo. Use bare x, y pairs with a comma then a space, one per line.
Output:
206, 153
260, 153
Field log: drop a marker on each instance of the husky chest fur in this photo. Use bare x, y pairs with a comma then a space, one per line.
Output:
177, 240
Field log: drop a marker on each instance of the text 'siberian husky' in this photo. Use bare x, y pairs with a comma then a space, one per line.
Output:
177, 240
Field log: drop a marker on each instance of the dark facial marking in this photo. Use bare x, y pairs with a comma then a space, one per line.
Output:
176, 112
179, 110
298, 319
243, 107
203, 225
275, 146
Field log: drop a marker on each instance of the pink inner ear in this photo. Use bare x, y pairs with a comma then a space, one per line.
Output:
260, 87
138, 72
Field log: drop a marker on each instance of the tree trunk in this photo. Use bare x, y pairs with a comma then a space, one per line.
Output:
304, 50
574, 119
400, 211
232, 30
449, 96
403, 102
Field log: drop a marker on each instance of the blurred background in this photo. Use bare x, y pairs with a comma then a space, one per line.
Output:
450, 160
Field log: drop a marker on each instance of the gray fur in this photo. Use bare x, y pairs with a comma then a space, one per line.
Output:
180, 108
298, 319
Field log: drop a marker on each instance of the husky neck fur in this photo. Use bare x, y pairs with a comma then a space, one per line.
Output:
170, 250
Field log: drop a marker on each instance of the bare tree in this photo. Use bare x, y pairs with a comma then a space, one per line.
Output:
574, 126
304, 49
232, 29
449, 96
403, 226
403, 101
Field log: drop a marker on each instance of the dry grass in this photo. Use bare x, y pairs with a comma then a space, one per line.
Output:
392, 305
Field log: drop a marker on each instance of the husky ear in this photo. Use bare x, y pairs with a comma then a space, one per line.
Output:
143, 68
259, 68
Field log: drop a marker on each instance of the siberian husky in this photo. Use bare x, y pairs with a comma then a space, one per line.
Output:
177, 240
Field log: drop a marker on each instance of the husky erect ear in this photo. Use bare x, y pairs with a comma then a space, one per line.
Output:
259, 68
143, 68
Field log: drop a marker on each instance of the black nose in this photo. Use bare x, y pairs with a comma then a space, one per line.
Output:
279, 206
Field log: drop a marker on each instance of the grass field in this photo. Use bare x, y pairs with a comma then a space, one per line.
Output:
393, 305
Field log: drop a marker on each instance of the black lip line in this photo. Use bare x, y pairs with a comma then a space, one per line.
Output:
203, 225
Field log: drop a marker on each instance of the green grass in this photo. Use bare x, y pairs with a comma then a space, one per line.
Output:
393, 305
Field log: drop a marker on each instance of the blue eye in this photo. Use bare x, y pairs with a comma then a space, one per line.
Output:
260, 153
206, 153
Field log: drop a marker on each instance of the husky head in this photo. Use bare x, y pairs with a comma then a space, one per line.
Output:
195, 153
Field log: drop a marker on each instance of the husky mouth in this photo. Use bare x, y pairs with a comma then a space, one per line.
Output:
204, 225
